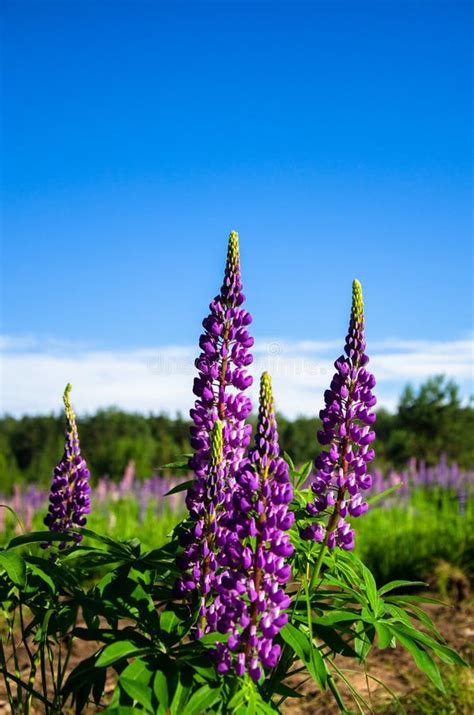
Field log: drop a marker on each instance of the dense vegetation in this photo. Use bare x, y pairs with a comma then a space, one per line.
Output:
259, 581
428, 422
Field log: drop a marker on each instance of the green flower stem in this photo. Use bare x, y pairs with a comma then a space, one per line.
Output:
319, 562
308, 581
8, 689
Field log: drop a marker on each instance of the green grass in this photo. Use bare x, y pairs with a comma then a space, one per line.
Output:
400, 541
457, 700
406, 540
118, 519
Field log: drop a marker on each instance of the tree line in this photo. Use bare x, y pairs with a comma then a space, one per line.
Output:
429, 421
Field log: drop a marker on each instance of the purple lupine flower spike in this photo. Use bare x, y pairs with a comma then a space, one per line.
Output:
223, 377
219, 389
341, 469
69, 499
254, 556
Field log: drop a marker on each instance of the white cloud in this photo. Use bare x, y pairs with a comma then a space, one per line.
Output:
35, 372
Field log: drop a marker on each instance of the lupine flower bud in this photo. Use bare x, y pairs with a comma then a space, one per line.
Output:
254, 555
341, 469
69, 499
219, 387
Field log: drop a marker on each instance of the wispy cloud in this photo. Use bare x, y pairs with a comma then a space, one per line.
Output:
34, 373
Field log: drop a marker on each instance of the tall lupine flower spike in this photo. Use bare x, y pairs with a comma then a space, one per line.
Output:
69, 499
341, 469
219, 388
255, 553
223, 377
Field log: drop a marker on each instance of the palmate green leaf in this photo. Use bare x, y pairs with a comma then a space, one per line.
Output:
423, 617
336, 617
423, 660
162, 560
111, 635
139, 692
169, 621
211, 638
444, 652
384, 635
82, 679
62, 577
202, 700
35, 570
334, 641
289, 461
36, 537
406, 598
363, 641
286, 691
184, 486
180, 696
382, 495
398, 614
98, 685
303, 474
334, 581
307, 652
392, 585
160, 688
119, 547
15, 567
296, 640
376, 603
118, 650
182, 461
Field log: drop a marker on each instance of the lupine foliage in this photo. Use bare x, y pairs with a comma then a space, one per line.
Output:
239, 598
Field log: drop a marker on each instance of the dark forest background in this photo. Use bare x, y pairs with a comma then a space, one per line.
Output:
429, 421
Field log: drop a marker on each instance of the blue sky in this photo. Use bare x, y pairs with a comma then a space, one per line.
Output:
335, 137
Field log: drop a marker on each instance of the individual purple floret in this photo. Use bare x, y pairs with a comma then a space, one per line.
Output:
341, 469
69, 499
253, 554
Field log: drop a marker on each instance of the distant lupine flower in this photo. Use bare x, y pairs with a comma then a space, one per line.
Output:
198, 561
341, 469
128, 478
222, 377
69, 499
254, 552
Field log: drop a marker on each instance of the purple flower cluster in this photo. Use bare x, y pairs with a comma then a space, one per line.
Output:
199, 560
219, 388
341, 469
69, 499
223, 376
235, 547
251, 599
